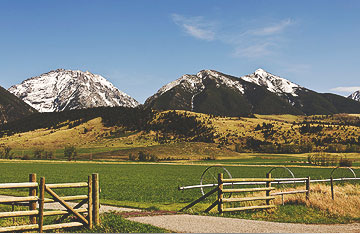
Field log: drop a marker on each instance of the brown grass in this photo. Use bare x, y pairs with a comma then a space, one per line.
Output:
346, 202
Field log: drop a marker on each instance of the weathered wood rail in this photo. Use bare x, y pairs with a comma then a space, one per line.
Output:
219, 183
221, 200
267, 198
37, 212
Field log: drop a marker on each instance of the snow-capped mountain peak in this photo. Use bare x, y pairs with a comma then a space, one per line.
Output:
195, 83
355, 96
273, 83
260, 72
62, 89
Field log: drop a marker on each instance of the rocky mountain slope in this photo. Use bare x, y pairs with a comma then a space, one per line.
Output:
12, 107
67, 89
261, 92
355, 96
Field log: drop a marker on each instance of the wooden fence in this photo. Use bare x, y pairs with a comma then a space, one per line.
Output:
268, 197
36, 211
221, 182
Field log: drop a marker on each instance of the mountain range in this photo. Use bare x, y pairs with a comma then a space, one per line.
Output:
261, 92
208, 91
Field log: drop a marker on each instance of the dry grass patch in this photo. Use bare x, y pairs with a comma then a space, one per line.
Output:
346, 202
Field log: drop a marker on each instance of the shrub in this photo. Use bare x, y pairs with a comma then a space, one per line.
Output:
210, 158
25, 157
239, 148
309, 159
345, 162
323, 159
6, 152
153, 158
70, 153
132, 157
143, 157
38, 153
48, 154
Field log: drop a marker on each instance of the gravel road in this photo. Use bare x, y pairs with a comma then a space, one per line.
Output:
210, 224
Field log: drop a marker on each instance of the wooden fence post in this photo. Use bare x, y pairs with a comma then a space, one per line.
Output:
332, 187
268, 184
220, 193
32, 192
41, 204
96, 198
308, 188
90, 202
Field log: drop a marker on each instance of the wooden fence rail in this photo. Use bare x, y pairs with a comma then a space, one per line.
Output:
37, 212
276, 181
267, 198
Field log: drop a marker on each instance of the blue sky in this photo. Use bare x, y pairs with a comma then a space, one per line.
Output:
141, 45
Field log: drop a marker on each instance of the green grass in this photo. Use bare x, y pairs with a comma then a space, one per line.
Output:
155, 186
12, 221
110, 223
113, 223
136, 185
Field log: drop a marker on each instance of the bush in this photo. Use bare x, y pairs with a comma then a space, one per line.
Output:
210, 158
70, 153
309, 159
153, 158
239, 148
38, 153
143, 157
48, 154
132, 157
6, 152
25, 157
323, 159
345, 162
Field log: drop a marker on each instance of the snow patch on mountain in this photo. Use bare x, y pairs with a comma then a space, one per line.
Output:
195, 83
67, 89
221, 79
190, 82
355, 96
273, 83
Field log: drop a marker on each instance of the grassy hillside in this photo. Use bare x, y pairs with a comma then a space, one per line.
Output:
116, 133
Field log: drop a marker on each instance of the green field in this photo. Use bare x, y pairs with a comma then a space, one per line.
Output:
138, 185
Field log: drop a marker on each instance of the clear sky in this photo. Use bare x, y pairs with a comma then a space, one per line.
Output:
141, 45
